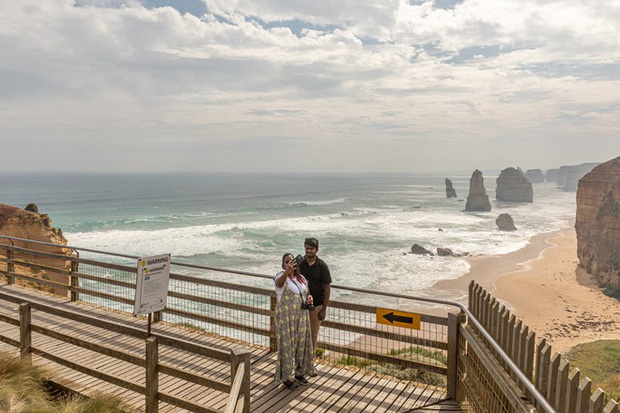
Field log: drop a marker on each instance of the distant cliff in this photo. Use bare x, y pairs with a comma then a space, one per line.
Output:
569, 175
598, 223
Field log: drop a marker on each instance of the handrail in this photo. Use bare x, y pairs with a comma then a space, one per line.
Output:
510, 364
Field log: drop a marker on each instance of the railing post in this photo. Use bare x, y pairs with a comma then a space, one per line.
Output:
273, 342
238, 356
75, 281
10, 267
454, 319
152, 379
25, 335
158, 316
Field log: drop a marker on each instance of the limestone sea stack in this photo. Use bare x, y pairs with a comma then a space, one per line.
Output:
598, 223
513, 186
478, 200
17, 222
551, 175
450, 191
535, 176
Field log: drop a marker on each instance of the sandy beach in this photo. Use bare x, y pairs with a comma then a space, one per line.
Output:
544, 287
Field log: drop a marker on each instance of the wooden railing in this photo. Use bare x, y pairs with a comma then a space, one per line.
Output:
239, 359
549, 371
249, 315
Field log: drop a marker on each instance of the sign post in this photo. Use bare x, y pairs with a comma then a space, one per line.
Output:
152, 286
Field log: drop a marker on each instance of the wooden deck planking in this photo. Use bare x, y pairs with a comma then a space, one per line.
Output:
335, 389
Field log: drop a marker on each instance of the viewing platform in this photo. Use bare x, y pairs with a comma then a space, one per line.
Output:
212, 349
335, 389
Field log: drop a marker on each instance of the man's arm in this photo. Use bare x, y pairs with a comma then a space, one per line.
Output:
322, 313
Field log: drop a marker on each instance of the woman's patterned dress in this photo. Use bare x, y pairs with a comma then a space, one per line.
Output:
295, 353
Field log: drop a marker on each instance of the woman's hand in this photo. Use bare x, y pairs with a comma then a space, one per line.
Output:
290, 268
310, 300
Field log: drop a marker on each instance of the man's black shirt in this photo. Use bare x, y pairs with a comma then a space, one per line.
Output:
317, 275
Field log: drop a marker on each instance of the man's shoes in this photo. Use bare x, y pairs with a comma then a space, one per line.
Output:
291, 385
302, 380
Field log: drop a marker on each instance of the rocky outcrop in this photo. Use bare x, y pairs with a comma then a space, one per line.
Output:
418, 249
478, 200
535, 176
513, 186
17, 222
551, 175
598, 223
569, 175
450, 191
444, 252
505, 223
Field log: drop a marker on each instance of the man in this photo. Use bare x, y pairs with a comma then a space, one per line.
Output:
319, 283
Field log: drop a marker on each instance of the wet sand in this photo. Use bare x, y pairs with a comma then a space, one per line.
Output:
544, 287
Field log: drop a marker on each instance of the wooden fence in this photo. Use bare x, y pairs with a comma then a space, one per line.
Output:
239, 359
350, 333
564, 388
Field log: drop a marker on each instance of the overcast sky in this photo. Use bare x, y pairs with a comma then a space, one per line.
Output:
291, 85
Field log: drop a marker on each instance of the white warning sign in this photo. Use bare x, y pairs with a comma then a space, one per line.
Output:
152, 284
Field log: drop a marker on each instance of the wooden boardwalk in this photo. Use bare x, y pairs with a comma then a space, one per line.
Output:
335, 389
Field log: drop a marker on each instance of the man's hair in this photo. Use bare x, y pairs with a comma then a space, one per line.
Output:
312, 242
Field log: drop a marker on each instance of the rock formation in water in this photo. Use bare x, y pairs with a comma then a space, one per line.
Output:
551, 175
598, 223
535, 176
477, 200
17, 222
569, 175
513, 186
418, 249
505, 223
450, 191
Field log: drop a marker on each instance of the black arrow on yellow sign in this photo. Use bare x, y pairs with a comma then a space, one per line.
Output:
391, 317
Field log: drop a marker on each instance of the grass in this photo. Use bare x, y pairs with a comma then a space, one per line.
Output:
399, 372
600, 361
22, 390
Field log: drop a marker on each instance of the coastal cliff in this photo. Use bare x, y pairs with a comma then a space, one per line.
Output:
569, 175
513, 186
20, 223
598, 223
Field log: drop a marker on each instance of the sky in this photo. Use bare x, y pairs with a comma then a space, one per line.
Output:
308, 86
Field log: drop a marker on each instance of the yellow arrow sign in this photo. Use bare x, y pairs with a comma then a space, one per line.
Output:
398, 318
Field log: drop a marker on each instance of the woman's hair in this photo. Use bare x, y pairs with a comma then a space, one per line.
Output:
299, 277
284, 257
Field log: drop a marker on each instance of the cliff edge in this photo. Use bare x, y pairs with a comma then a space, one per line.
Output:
598, 223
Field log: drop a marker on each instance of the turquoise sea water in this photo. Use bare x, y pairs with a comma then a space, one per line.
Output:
365, 223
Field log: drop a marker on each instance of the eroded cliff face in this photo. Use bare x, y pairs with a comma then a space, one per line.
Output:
513, 186
17, 222
598, 223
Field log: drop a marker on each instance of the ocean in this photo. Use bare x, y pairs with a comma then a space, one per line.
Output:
366, 224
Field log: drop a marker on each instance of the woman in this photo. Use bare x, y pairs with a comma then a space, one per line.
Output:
295, 352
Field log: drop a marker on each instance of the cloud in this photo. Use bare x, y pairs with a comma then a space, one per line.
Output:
410, 81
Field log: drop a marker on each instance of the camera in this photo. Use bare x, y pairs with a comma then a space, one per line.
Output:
298, 260
306, 306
